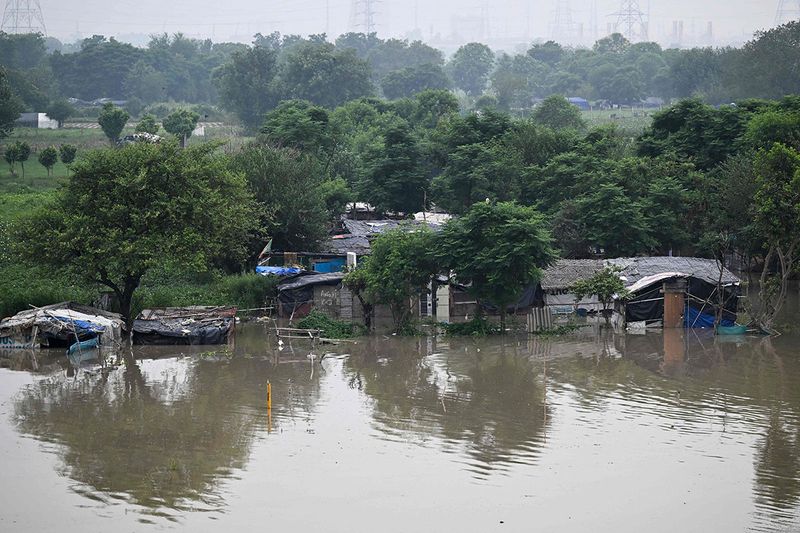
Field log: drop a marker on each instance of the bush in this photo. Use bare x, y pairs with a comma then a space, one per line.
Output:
330, 328
22, 286
477, 327
245, 291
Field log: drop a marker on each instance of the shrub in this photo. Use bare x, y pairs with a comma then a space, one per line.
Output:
330, 328
477, 327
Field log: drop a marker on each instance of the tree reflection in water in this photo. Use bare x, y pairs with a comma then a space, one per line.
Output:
162, 433
485, 399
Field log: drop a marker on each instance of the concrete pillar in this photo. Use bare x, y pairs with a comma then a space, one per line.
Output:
674, 302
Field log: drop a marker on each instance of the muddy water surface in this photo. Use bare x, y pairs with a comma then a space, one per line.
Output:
589, 432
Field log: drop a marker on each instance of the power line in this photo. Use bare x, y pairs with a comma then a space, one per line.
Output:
788, 11
631, 21
23, 16
362, 16
563, 29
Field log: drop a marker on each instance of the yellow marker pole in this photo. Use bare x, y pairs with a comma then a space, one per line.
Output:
269, 395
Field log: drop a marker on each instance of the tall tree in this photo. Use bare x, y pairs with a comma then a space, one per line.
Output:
393, 178
48, 157
558, 113
400, 266
181, 123
126, 211
287, 185
112, 120
412, 80
777, 219
321, 74
246, 84
10, 106
60, 111
497, 249
470, 67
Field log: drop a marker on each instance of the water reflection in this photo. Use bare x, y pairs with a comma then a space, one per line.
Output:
478, 399
171, 433
161, 433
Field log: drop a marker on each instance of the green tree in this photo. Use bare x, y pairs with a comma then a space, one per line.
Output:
556, 112
470, 67
11, 155
300, 124
393, 178
112, 120
497, 249
605, 284
10, 106
181, 123
246, 84
147, 124
23, 153
412, 80
48, 157
287, 184
67, 152
400, 267
321, 74
613, 222
60, 111
777, 220
125, 212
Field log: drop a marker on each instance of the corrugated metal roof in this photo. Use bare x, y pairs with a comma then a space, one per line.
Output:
565, 272
636, 268
333, 278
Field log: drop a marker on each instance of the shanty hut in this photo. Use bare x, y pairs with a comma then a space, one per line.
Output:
558, 279
695, 282
60, 325
185, 325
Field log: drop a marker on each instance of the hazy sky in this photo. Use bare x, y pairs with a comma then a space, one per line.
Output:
436, 20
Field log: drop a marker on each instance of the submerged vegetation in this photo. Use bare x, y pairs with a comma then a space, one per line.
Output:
329, 327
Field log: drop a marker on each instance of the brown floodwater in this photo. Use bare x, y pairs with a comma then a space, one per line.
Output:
674, 431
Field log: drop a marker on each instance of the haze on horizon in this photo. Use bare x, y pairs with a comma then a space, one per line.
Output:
500, 23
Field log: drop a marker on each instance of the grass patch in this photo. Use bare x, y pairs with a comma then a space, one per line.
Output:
556, 331
629, 121
330, 328
477, 327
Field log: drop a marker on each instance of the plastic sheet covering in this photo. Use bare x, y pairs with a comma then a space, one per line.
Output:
184, 326
277, 271
61, 323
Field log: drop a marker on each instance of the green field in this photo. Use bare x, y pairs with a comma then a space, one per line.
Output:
631, 121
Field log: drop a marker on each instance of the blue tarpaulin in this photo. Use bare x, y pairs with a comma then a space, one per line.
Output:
277, 270
328, 267
693, 318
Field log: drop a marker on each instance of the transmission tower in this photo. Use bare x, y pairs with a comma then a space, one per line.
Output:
788, 10
23, 16
563, 29
362, 16
631, 21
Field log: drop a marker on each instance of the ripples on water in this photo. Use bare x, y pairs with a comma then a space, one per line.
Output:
710, 428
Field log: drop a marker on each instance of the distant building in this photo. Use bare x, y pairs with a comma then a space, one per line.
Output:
36, 120
580, 103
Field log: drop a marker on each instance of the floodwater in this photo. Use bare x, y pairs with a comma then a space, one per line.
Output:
674, 431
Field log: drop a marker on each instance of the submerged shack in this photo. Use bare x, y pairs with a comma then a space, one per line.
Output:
185, 325
60, 325
690, 285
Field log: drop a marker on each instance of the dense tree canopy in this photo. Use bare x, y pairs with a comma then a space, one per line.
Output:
126, 211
